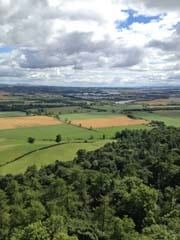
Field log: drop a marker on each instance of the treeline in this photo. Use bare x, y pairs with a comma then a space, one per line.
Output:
151, 109
127, 190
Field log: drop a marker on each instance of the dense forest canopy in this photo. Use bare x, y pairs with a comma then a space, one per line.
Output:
127, 190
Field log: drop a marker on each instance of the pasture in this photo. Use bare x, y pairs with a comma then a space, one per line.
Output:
63, 152
158, 116
66, 110
117, 108
171, 114
48, 133
12, 114
90, 115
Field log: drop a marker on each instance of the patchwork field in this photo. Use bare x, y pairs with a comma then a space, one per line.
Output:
13, 144
17, 122
13, 138
162, 101
109, 122
82, 121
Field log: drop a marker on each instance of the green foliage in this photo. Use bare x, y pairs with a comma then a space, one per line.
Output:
64, 236
124, 229
126, 190
35, 231
31, 140
58, 138
160, 232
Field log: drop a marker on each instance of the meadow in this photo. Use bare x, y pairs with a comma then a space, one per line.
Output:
90, 115
12, 114
171, 114
66, 110
63, 152
167, 118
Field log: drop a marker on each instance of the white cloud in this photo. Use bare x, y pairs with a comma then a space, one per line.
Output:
67, 42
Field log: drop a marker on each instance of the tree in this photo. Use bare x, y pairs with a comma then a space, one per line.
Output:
58, 138
137, 200
35, 231
55, 225
64, 236
124, 229
31, 140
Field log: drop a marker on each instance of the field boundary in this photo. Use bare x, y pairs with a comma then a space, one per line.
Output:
36, 150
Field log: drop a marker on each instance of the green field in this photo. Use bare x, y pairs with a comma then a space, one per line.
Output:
66, 110
64, 152
13, 143
172, 113
110, 132
157, 116
12, 114
67, 131
75, 116
119, 107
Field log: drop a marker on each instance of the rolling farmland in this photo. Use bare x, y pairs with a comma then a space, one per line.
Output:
81, 124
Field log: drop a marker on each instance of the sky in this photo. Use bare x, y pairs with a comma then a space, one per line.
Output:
106, 43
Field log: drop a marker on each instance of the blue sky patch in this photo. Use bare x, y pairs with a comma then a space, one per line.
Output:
5, 49
135, 18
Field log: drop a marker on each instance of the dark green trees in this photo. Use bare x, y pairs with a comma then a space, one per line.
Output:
31, 140
127, 190
58, 138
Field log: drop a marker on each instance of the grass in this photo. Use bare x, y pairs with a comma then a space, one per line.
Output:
170, 113
12, 149
119, 107
13, 142
169, 121
64, 152
91, 115
68, 132
110, 132
12, 114
66, 110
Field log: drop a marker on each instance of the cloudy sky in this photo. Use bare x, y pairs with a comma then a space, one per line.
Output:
90, 42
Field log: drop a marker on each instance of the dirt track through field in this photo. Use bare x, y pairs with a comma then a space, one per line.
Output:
108, 122
17, 122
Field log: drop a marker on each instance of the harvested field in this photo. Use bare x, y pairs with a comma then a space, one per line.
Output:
17, 122
3, 95
109, 122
